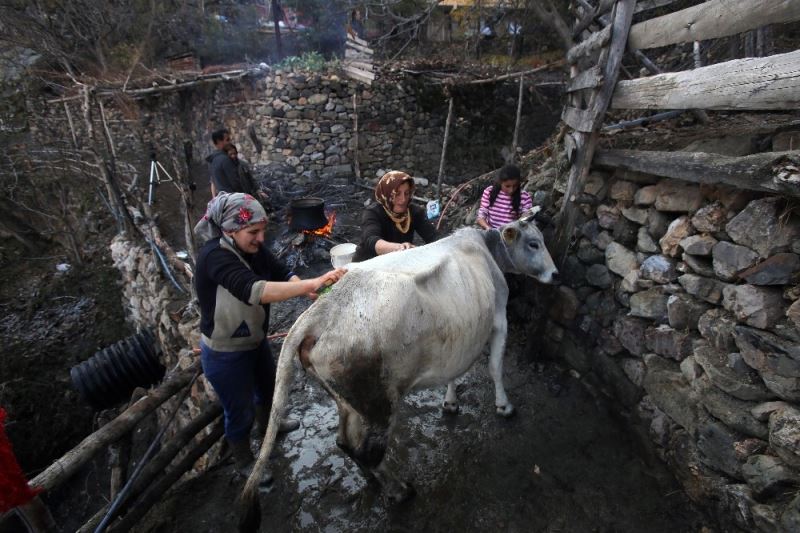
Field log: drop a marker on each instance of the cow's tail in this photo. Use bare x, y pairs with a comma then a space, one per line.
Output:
249, 509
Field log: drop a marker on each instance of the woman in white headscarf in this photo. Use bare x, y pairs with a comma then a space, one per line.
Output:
236, 280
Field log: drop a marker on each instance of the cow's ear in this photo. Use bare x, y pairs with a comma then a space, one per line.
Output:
510, 234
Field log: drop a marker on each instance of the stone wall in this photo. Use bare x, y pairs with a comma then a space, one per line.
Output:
681, 303
303, 124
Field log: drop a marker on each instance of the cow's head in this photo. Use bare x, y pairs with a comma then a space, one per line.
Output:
526, 250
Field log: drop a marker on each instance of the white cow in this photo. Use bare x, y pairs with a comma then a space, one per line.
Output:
405, 320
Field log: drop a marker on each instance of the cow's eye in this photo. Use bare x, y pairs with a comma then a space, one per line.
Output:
534, 245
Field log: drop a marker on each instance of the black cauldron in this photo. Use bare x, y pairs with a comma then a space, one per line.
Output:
307, 214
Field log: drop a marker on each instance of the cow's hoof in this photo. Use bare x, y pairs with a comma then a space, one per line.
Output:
450, 408
402, 493
506, 411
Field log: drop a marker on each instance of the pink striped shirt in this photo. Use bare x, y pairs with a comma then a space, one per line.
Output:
501, 212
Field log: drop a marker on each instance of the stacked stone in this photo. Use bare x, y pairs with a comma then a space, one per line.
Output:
681, 302
306, 122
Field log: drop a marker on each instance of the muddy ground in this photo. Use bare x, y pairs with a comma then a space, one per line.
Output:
561, 464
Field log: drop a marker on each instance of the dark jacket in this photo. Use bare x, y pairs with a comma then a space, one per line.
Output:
376, 225
229, 286
223, 171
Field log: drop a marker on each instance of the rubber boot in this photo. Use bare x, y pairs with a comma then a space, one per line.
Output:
242, 456
262, 419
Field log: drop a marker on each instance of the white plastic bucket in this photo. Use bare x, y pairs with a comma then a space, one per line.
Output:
342, 254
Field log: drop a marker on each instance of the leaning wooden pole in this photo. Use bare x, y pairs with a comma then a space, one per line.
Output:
156, 491
517, 121
74, 459
444, 150
161, 461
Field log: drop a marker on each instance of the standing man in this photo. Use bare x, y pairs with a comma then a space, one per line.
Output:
224, 174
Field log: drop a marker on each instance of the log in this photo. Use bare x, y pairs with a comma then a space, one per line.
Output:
353, 54
753, 83
161, 461
757, 172
156, 491
584, 48
588, 79
710, 20
71, 461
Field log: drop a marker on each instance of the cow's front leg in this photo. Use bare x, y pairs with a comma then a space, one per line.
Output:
497, 346
450, 405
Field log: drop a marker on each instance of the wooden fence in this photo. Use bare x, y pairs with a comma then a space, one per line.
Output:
755, 83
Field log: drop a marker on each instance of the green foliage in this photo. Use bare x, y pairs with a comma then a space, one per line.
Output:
306, 61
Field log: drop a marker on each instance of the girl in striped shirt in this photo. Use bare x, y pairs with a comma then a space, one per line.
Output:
504, 201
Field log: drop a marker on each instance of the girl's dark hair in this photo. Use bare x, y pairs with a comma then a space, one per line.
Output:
508, 172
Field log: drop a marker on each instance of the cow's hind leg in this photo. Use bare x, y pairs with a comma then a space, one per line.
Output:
450, 405
497, 345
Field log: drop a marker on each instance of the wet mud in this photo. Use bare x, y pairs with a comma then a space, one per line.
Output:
562, 463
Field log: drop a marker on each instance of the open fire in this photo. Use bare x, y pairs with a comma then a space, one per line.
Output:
324, 231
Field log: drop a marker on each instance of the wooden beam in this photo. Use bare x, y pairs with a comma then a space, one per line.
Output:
588, 79
353, 54
754, 83
584, 48
369, 67
359, 48
578, 119
360, 75
758, 172
71, 462
357, 39
712, 19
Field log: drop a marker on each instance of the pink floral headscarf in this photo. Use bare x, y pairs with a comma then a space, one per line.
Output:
229, 212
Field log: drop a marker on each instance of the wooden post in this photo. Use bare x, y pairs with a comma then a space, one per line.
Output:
74, 459
444, 150
516, 123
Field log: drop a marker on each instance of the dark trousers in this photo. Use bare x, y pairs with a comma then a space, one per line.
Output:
242, 380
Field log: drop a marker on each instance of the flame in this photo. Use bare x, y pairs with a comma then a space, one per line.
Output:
324, 231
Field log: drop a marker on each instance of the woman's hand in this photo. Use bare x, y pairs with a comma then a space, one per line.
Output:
387, 247
326, 280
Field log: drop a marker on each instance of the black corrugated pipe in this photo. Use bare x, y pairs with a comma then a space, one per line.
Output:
109, 377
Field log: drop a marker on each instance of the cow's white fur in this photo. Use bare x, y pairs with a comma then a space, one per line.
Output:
421, 317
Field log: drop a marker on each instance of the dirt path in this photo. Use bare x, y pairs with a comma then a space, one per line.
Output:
562, 464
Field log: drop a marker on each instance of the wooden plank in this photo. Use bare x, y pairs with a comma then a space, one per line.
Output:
597, 40
620, 26
355, 54
369, 67
754, 83
712, 19
589, 78
360, 75
357, 39
362, 49
578, 119
765, 172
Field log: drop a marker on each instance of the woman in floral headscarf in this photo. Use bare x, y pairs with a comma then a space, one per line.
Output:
389, 225
236, 280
